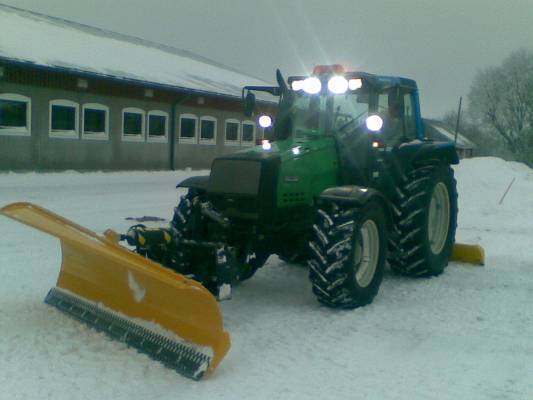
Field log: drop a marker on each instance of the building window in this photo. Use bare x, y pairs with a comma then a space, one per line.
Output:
208, 130
95, 121
157, 126
188, 128
63, 119
232, 132
15, 114
132, 124
248, 133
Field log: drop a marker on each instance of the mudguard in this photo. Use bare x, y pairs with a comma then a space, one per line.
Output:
161, 313
356, 196
195, 182
351, 194
416, 151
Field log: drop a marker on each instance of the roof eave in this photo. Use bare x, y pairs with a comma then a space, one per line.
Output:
138, 82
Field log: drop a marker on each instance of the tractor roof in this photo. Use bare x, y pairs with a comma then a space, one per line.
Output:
382, 81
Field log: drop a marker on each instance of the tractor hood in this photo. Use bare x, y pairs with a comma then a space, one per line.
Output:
244, 184
241, 173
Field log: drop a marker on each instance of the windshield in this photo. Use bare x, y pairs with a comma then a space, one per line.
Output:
322, 113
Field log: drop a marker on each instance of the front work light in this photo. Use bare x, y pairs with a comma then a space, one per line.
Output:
312, 85
265, 121
374, 123
338, 84
297, 85
354, 84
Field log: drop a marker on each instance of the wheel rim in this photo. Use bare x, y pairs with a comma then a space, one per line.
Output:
439, 218
366, 253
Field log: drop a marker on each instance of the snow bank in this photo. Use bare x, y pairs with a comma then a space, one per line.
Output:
464, 335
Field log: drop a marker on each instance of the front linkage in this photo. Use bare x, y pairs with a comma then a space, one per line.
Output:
180, 246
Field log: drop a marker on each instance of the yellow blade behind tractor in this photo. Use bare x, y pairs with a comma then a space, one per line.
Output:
163, 314
468, 253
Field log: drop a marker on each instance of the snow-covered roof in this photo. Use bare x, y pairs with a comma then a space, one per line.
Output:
437, 130
46, 41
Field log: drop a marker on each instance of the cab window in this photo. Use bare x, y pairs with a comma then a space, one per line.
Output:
397, 109
409, 116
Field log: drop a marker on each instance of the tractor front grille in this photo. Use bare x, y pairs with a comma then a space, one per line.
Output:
244, 185
235, 177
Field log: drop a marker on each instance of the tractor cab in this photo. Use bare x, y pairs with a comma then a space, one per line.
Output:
346, 105
355, 113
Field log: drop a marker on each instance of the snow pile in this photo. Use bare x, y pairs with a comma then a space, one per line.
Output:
464, 335
482, 185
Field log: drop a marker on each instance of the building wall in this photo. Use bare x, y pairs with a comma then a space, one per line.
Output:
201, 155
41, 151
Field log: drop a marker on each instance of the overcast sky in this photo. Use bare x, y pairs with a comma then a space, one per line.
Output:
440, 44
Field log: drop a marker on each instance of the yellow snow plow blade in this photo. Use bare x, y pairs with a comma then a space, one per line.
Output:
161, 313
468, 253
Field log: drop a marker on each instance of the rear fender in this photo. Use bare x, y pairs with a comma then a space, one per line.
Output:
417, 151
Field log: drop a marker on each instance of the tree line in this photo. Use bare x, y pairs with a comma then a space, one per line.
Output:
499, 114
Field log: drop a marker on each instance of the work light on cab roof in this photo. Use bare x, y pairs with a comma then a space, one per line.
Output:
337, 83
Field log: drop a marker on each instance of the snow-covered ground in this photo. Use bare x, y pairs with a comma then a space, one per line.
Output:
467, 334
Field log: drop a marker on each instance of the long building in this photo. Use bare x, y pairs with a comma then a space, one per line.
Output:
78, 97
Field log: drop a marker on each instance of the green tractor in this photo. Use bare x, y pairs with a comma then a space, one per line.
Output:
344, 181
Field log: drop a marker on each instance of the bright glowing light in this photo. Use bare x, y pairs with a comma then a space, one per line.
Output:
297, 85
296, 150
312, 85
266, 145
374, 123
338, 84
354, 84
265, 121
375, 144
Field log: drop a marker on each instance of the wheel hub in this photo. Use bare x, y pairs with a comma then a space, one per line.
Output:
366, 253
439, 218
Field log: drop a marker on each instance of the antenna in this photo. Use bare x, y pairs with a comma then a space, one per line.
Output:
458, 119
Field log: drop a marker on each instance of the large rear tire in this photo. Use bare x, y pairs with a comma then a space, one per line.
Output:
348, 254
426, 221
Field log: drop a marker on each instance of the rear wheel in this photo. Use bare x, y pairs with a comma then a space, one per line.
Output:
426, 221
348, 255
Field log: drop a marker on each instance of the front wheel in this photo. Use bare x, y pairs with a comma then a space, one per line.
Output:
248, 264
348, 254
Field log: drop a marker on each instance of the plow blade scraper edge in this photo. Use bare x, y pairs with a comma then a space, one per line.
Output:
468, 253
163, 314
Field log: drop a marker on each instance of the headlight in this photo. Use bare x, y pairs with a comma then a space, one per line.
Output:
266, 145
338, 84
312, 85
265, 121
374, 123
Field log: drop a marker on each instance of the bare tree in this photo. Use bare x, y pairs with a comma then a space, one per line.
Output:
501, 101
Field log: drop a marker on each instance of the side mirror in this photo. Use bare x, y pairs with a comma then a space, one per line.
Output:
249, 104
